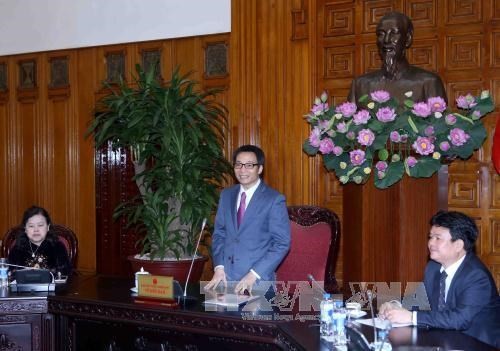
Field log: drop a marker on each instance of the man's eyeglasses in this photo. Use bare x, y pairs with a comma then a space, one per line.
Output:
239, 165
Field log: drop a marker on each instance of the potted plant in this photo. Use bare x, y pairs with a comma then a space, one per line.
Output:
174, 132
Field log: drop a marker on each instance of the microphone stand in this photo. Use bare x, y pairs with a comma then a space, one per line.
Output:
369, 293
314, 282
194, 256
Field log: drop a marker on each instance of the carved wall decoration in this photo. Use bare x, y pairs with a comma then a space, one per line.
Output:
300, 25
371, 59
496, 9
463, 191
372, 11
27, 74
338, 20
150, 59
494, 243
422, 12
463, 11
339, 61
216, 56
59, 72
495, 50
115, 66
3, 76
464, 52
424, 54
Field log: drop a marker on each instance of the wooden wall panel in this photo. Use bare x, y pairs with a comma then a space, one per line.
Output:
457, 39
45, 157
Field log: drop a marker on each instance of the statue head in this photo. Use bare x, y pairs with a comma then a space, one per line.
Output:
394, 36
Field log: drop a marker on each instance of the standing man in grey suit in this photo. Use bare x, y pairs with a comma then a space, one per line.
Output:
252, 228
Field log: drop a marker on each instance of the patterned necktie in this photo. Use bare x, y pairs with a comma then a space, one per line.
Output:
241, 209
442, 290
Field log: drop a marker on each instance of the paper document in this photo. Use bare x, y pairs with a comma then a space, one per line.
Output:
381, 323
230, 300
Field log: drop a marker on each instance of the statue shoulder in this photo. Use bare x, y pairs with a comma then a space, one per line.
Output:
369, 77
423, 73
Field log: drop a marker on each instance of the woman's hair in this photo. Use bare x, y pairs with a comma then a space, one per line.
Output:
30, 212
33, 211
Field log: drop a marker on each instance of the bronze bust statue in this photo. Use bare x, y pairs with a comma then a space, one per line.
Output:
397, 76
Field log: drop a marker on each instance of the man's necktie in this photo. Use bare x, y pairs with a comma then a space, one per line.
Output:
241, 209
442, 291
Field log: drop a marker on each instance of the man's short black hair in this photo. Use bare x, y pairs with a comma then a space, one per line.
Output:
460, 226
250, 148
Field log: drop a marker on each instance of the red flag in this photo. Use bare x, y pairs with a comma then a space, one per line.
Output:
495, 152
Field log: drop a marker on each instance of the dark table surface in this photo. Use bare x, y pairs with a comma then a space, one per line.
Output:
300, 326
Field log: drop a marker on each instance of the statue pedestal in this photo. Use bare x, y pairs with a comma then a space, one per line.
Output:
385, 231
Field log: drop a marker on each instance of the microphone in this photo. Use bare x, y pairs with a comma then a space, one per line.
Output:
369, 293
314, 282
194, 255
31, 268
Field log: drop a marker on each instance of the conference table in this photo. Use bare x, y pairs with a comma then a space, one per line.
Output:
101, 313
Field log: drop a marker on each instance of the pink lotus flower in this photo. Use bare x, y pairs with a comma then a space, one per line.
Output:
450, 119
423, 146
444, 146
357, 157
429, 130
361, 117
395, 137
347, 109
436, 104
411, 161
466, 101
319, 108
342, 127
386, 114
458, 137
337, 150
380, 96
381, 166
366, 137
326, 146
314, 137
421, 109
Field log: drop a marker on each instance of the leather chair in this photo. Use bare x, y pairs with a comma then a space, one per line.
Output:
64, 234
315, 234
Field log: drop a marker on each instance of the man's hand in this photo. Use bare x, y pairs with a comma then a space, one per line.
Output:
387, 306
398, 315
246, 283
219, 276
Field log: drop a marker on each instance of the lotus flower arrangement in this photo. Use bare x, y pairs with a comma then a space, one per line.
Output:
390, 139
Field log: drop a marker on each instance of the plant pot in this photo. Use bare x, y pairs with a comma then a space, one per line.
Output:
177, 269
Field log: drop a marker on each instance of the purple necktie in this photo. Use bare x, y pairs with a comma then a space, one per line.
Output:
241, 209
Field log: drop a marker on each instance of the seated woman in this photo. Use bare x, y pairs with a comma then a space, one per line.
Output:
38, 247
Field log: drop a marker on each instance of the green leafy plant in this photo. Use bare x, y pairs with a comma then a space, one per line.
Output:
390, 139
174, 132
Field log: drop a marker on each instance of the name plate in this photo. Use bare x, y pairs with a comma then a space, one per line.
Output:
156, 286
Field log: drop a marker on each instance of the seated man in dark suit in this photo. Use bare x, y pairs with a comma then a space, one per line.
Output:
461, 291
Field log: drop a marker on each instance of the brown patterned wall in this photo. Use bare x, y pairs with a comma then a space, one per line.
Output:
281, 54
457, 39
45, 108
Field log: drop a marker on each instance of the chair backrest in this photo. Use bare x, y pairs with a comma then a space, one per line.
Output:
315, 234
64, 234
